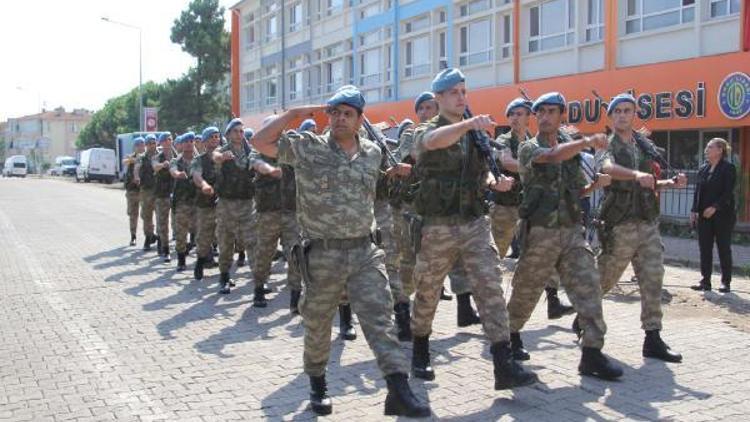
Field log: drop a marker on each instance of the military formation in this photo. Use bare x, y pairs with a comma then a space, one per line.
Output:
373, 226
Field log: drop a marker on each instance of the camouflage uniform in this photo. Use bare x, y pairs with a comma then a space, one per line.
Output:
147, 198
631, 232
275, 205
401, 206
455, 228
162, 194
553, 242
384, 221
183, 200
504, 212
132, 194
335, 197
205, 206
234, 211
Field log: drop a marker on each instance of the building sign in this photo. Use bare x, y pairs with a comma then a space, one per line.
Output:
681, 104
734, 96
151, 119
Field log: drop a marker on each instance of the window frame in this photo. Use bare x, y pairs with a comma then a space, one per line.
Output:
464, 57
569, 33
639, 16
596, 28
413, 70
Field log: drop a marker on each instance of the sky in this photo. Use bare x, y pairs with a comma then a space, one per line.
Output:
60, 52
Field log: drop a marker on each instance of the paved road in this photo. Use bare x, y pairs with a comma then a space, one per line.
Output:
91, 329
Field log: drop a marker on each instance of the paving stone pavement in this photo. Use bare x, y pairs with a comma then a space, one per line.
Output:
92, 329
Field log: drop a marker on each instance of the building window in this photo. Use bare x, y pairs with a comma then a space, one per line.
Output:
334, 74
249, 96
271, 91
547, 29
370, 67
417, 24
474, 6
271, 28
417, 56
370, 38
476, 43
333, 6
721, 8
646, 15
371, 10
295, 17
295, 86
506, 37
443, 51
595, 20
249, 30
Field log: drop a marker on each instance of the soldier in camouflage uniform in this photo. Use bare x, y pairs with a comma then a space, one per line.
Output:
234, 211
163, 192
453, 176
630, 216
504, 211
551, 233
183, 196
144, 174
336, 175
132, 190
203, 173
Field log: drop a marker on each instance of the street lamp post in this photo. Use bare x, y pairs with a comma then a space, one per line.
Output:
140, 66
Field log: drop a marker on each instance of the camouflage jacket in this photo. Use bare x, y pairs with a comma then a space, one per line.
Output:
183, 192
512, 198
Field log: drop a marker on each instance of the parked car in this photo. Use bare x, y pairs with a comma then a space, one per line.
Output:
97, 164
15, 166
65, 166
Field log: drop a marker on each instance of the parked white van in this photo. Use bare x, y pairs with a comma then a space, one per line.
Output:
96, 164
15, 165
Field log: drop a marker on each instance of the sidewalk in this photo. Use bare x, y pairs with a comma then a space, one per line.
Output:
685, 252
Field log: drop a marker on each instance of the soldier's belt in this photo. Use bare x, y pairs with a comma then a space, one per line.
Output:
341, 244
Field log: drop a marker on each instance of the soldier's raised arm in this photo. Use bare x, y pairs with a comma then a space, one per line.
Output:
267, 138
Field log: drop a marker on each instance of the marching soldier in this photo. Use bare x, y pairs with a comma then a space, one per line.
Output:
183, 196
204, 177
163, 192
132, 190
336, 176
504, 212
630, 216
551, 230
144, 177
455, 227
234, 211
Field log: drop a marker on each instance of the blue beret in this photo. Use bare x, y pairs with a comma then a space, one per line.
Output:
249, 133
622, 98
231, 125
402, 127
150, 138
550, 98
198, 137
178, 139
188, 136
208, 132
518, 102
163, 136
139, 141
307, 125
349, 95
425, 96
447, 79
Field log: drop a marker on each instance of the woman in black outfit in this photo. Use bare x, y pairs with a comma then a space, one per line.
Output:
714, 212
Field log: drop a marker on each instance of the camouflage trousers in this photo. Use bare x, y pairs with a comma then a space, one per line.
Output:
273, 227
205, 233
147, 201
640, 243
184, 216
564, 251
233, 224
504, 220
407, 258
384, 221
470, 244
132, 197
163, 208
360, 272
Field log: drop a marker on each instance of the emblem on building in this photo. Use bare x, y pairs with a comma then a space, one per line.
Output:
734, 95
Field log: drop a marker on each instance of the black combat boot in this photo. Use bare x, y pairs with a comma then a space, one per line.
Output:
516, 345
132, 239
267, 290
345, 321
466, 315
210, 262
224, 287
403, 321
594, 363
241, 259
147, 243
167, 258
445, 296
555, 308
703, 285
576, 327
294, 301
319, 400
420, 359
401, 401
725, 287
159, 250
654, 347
508, 372
180, 261
198, 270
259, 298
